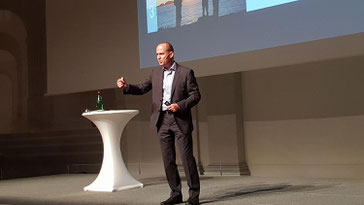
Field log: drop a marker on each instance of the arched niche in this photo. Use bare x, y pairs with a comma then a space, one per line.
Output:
7, 74
13, 47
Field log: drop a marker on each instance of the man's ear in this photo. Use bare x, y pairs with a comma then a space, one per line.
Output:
171, 54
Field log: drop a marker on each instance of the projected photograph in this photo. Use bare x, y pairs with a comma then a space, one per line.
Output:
252, 5
164, 14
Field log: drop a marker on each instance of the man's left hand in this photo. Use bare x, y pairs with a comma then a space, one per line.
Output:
173, 107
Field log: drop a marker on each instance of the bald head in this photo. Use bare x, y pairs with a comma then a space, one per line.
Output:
165, 54
167, 45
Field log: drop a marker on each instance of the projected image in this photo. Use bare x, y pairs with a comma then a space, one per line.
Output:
252, 5
165, 14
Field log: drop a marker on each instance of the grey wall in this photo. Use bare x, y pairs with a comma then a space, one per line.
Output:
305, 120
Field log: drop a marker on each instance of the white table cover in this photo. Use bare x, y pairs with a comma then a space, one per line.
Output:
113, 176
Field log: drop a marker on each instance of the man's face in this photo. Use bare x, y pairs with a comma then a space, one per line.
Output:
164, 56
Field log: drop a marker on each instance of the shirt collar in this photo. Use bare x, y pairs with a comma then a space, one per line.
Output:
173, 68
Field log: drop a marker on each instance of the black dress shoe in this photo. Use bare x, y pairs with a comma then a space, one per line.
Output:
172, 200
192, 202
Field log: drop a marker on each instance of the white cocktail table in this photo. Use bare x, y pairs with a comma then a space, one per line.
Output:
113, 176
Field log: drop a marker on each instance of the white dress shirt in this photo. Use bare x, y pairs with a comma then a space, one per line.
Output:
168, 76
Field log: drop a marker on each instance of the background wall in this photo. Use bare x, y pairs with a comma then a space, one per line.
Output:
91, 41
303, 119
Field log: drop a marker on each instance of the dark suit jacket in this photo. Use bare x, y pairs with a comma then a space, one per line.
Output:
185, 93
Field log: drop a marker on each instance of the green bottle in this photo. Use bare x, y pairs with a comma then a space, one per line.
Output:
99, 105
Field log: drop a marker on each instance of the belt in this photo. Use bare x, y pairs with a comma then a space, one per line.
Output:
168, 112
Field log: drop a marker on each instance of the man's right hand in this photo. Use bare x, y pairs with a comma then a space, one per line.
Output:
121, 83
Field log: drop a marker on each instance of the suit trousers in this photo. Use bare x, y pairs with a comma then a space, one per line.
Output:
169, 132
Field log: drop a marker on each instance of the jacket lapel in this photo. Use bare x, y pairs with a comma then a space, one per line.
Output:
175, 79
159, 83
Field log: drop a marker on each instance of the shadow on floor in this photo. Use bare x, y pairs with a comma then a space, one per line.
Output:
248, 191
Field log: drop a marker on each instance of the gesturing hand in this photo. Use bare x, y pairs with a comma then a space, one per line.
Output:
173, 107
121, 83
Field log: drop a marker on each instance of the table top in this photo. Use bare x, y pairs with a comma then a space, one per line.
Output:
109, 112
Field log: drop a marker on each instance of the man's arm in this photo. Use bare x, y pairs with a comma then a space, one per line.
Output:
194, 95
138, 89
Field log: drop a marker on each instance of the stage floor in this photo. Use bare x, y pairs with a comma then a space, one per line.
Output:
242, 190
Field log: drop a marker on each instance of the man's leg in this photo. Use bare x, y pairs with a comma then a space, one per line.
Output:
167, 143
189, 163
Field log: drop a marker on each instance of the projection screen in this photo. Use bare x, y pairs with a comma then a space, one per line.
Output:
90, 43
208, 28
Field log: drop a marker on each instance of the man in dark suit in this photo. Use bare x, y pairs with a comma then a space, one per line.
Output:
175, 92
